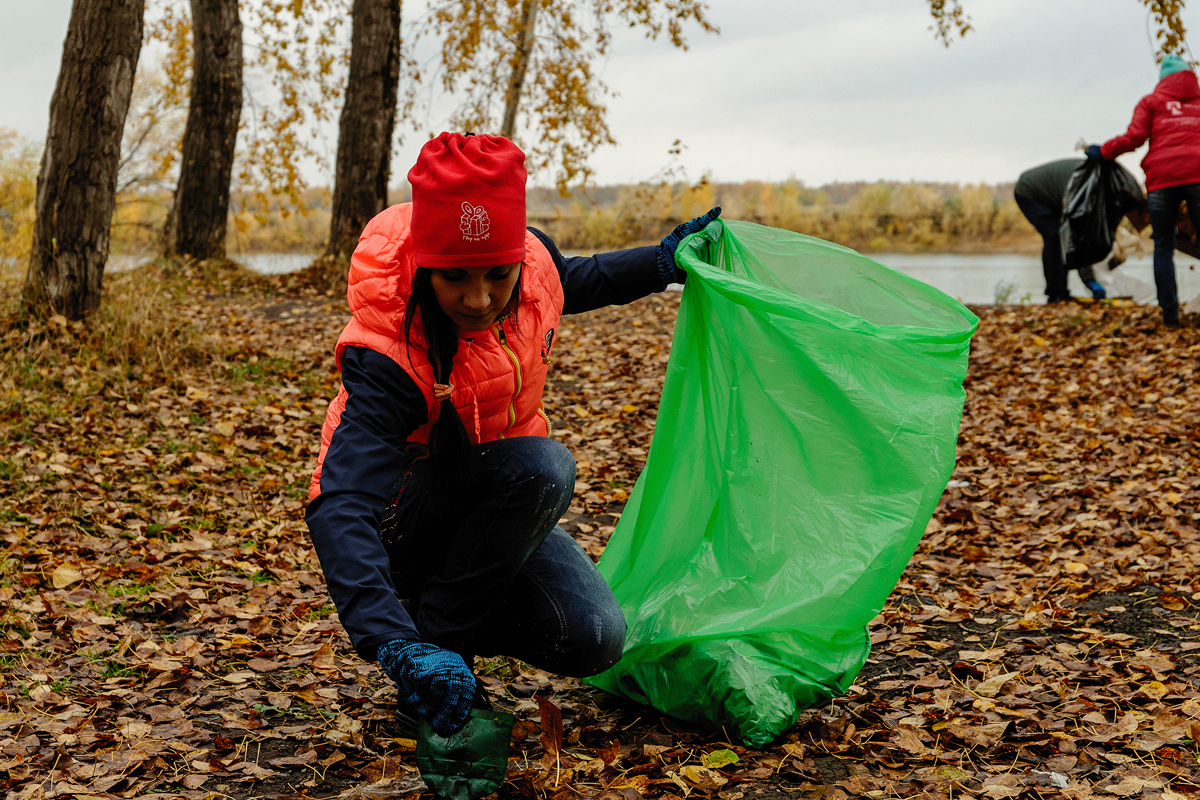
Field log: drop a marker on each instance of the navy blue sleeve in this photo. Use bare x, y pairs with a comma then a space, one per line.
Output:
361, 467
605, 279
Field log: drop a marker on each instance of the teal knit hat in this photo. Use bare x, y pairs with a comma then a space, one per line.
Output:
1171, 64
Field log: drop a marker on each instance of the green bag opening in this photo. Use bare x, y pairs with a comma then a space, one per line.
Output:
806, 431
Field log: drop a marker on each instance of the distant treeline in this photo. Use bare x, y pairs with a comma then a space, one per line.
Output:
886, 215
866, 216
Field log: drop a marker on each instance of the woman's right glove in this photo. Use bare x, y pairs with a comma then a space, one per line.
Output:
435, 683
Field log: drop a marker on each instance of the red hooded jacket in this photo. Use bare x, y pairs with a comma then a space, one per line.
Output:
1170, 118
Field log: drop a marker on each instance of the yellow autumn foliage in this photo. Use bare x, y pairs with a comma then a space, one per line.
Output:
18, 194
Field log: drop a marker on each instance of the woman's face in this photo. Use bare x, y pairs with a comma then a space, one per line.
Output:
473, 297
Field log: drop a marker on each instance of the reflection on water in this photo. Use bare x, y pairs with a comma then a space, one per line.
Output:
974, 279
262, 263
980, 278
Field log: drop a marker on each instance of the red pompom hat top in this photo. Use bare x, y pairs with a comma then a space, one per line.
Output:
468, 202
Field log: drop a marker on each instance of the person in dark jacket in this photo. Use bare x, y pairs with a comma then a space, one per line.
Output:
1170, 118
435, 504
1039, 194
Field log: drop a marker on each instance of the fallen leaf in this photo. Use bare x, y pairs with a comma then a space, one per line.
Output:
323, 660
1155, 690
552, 724
719, 758
702, 777
991, 687
906, 737
64, 575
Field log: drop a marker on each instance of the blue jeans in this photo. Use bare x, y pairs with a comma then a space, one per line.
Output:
486, 569
1164, 212
1047, 221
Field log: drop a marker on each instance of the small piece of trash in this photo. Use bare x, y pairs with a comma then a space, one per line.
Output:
1055, 779
958, 484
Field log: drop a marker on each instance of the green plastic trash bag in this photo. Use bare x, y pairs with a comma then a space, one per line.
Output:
469, 764
806, 431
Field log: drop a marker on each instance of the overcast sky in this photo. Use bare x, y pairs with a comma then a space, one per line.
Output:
819, 90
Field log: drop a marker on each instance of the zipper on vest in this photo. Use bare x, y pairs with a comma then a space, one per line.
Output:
512, 404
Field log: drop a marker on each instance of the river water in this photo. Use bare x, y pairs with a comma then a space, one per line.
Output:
974, 279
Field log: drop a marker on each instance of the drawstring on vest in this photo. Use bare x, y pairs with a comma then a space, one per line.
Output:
474, 391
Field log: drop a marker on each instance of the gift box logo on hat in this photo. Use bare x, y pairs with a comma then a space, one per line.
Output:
474, 223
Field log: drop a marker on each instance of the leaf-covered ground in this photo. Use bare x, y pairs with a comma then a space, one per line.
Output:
164, 629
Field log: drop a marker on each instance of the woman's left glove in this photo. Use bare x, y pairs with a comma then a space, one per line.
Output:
1092, 153
436, 683
665, 255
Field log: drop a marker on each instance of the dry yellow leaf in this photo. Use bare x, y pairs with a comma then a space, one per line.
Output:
323, 658
795, 750
703, 777
1155, 690
64, 575
638, 782
991, 687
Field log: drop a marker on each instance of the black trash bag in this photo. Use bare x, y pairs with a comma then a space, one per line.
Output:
469, 764
1099, 193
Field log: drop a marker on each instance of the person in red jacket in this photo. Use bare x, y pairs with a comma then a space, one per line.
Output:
1170, 118
435, 504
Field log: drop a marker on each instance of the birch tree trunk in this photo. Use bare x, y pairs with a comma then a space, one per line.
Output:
520, 66
368, 118
77, 183
201, 208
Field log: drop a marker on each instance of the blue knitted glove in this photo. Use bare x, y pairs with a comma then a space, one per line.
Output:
1097, 288
436, 683
1093, 153
665, 255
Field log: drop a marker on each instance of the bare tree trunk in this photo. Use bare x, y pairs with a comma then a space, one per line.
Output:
365, 130
201, 208
529, 10
77, 183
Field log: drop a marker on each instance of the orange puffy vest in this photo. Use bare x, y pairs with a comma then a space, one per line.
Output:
498, 374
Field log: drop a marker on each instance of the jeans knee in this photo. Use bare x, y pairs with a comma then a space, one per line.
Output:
557, 465
540, 465
597, 644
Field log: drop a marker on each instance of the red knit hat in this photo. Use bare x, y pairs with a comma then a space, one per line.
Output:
468, 202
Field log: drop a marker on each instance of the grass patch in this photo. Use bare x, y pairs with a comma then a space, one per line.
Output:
318, 613
137, 328
115, 669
